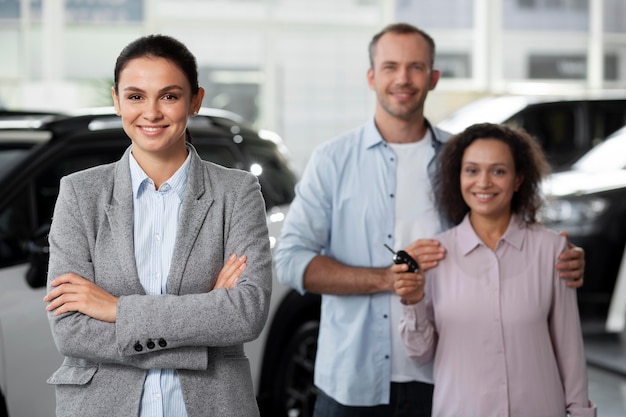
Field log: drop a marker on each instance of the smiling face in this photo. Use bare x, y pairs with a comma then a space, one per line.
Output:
402, 75
489, 179
154, 99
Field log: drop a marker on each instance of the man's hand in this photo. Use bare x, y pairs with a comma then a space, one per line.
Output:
72, 292
427, 253
571, 265
408, 285
231, 271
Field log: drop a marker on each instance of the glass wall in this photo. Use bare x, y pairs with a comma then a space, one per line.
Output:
298, 66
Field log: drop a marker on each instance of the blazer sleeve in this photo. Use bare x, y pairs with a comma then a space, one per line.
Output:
77, 335
219, 317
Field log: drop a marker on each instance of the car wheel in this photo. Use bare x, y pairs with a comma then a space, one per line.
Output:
294, 391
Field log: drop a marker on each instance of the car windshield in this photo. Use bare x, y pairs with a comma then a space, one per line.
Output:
607, 156
9, 157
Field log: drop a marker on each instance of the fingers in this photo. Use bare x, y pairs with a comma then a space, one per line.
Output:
71, 293
571, 266
231, 271
575, 282
427, 252
410, 288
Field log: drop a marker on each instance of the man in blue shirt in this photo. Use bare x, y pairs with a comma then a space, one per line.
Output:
360, 191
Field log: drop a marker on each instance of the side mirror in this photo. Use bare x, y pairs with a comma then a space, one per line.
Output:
38, 256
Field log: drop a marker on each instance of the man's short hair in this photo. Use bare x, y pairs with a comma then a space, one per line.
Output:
401, 29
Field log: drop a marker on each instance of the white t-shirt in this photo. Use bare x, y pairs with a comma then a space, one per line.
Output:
416, 218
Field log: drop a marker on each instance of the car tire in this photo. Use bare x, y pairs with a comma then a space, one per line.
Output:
294, 391
3, 407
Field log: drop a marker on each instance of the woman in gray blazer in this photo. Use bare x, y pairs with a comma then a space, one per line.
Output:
148, 301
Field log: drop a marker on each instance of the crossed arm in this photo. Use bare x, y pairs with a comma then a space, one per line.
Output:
71, 292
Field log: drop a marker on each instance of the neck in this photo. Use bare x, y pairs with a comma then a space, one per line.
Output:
490, 230
396, 130
160, 168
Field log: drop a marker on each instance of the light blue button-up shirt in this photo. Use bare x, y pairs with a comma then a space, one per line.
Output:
155, 223
345, 208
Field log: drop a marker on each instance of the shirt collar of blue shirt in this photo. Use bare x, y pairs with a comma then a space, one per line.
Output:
374, 138
140, 179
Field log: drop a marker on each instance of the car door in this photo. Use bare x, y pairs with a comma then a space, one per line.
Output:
27, 196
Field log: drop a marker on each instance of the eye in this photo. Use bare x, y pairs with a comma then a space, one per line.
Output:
499, 171
170, 96
470, 170
133, 97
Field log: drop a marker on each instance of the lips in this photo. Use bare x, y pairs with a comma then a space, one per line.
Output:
152, 129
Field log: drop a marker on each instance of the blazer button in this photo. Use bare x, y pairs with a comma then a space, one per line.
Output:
138, 346
162, 343
150, 344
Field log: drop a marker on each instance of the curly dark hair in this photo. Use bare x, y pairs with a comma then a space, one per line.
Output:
528, 156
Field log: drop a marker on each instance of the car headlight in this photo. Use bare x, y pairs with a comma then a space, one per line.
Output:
574, 211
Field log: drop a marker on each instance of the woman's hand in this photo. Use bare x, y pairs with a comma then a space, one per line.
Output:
409, 285
72, 292
231, 271
427, 253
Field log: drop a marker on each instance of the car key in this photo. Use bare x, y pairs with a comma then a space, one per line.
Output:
402, 257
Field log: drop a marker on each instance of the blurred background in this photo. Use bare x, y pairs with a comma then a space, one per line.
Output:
298, 66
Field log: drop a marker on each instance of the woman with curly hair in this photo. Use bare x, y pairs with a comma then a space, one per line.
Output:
504, 333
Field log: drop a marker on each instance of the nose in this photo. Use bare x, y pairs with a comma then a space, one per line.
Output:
403, 76
484, 179
152, 111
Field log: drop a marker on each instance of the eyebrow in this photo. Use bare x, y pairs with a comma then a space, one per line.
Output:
162, 90
491, 165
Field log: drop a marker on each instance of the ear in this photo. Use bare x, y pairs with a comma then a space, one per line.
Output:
196, 102
435, 74
116, 101
370, 78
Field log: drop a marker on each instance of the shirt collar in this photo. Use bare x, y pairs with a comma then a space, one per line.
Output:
468, 239
140, 179
374, 138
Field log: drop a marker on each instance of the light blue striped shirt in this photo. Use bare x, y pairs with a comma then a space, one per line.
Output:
156, 215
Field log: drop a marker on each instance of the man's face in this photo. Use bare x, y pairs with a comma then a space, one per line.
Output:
402, 75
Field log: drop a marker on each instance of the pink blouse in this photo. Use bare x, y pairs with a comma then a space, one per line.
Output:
502, 327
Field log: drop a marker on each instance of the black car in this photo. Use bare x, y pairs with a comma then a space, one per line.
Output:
589, 202
36, 150
566, 127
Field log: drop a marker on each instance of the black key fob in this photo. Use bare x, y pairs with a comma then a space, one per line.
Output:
402, 257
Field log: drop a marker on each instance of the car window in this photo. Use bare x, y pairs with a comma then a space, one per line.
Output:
9, 157
609, 155
31, 206
554, 125
605, 117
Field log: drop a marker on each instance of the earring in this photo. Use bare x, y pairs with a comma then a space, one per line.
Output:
195, 113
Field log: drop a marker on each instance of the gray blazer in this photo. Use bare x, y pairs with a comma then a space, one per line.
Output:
196, 330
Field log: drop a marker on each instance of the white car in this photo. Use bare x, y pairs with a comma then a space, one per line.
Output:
35, 151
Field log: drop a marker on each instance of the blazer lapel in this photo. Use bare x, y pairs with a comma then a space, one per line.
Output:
120, 215
194, 209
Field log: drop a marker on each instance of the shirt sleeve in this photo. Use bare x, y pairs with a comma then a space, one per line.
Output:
568, 346
418, 331
307, 225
